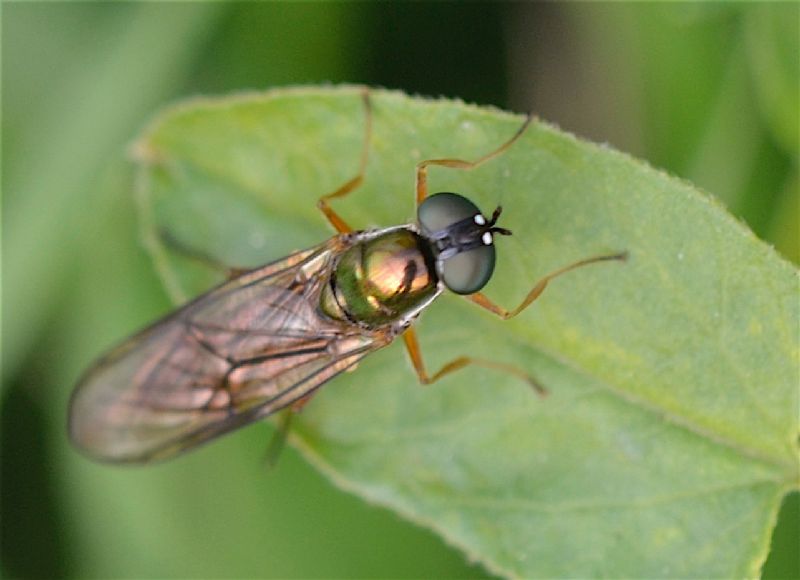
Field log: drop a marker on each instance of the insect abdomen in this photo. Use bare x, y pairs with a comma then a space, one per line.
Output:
378, 280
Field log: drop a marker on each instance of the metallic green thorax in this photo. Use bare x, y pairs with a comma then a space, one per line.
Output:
379, 280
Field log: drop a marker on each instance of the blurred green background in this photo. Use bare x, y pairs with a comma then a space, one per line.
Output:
708, 92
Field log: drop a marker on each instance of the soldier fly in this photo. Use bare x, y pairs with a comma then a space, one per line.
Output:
267, 338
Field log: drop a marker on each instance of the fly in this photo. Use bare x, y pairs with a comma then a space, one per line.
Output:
266, 339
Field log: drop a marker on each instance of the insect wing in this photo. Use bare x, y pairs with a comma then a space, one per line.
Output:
238, 353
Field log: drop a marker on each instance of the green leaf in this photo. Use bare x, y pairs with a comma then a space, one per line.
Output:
670, 434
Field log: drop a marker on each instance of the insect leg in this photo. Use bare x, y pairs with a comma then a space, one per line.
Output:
278, 440
412, 346
422, 166
204, 258
284, 425
335, 220
481, 300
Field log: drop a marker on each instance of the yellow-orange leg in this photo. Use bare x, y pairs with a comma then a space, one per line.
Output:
422, 166
414, 352
481, 300
335, 220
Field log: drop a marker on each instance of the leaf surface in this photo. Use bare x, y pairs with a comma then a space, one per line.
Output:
670, 433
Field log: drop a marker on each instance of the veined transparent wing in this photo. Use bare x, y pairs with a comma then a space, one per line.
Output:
242, 351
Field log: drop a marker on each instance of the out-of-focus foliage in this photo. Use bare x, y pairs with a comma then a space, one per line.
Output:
706, 91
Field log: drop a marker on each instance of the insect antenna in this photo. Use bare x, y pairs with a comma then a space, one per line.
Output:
496, 229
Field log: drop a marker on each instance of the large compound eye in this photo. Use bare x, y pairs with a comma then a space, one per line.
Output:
441, 210
469, 271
